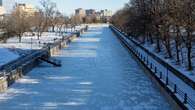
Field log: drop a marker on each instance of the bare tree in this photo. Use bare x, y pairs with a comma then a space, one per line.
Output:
162, 22
44, 17
20, 21
39, 21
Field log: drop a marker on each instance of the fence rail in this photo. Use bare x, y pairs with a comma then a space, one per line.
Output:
183, 97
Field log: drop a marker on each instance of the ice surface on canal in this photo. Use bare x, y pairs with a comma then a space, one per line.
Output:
97, 74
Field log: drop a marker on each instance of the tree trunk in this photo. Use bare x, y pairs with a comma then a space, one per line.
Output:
189, 59
177, 51
20, 38
189, 50
53, 28
177, 46
151, 39
158, 44
38, 35
169, 46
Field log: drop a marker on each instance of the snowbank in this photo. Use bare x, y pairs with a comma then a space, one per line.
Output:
6, 56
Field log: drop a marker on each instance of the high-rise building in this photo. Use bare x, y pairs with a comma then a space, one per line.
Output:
90, 12
1, 2
2, 10
80, 12
27, 9
106, 13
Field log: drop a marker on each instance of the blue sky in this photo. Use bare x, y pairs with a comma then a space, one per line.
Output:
68, 6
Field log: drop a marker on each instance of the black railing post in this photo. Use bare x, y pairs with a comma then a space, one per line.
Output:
175, 88
147, 61
167, 76
185, 98
167, 80
150, 65
155, 70
160, 75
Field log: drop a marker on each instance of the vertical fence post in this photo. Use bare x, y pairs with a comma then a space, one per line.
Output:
167, 80
147, 61
160, 75
175, 88
167, 77
155, 70
185, 98
150, 65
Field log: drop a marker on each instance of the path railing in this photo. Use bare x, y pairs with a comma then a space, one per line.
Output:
164, 78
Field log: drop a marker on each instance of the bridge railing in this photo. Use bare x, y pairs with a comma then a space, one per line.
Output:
164, 78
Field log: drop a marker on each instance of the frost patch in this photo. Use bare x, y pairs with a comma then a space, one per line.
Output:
28, 81
54, 104
73, 103
87, 40
82, 91
86, 83
11, 93
59, 77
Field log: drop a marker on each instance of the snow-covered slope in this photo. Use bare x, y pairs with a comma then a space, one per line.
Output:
6, 56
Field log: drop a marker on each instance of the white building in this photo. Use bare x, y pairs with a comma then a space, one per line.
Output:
2, 11
26, 8
80, 12
106, 13
1, 2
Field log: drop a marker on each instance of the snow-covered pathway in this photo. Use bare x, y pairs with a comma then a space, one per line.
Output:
97, 74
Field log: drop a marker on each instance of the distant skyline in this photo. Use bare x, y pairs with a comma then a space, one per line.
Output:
68, 6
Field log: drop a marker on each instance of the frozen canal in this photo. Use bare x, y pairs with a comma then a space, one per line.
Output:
97, 74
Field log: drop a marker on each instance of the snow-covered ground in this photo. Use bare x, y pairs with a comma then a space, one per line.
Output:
182, 67
97, 73
7, 56
12, 49
30, 42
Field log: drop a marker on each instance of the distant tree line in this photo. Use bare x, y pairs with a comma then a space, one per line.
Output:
167, 24
45, 18
91, 19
